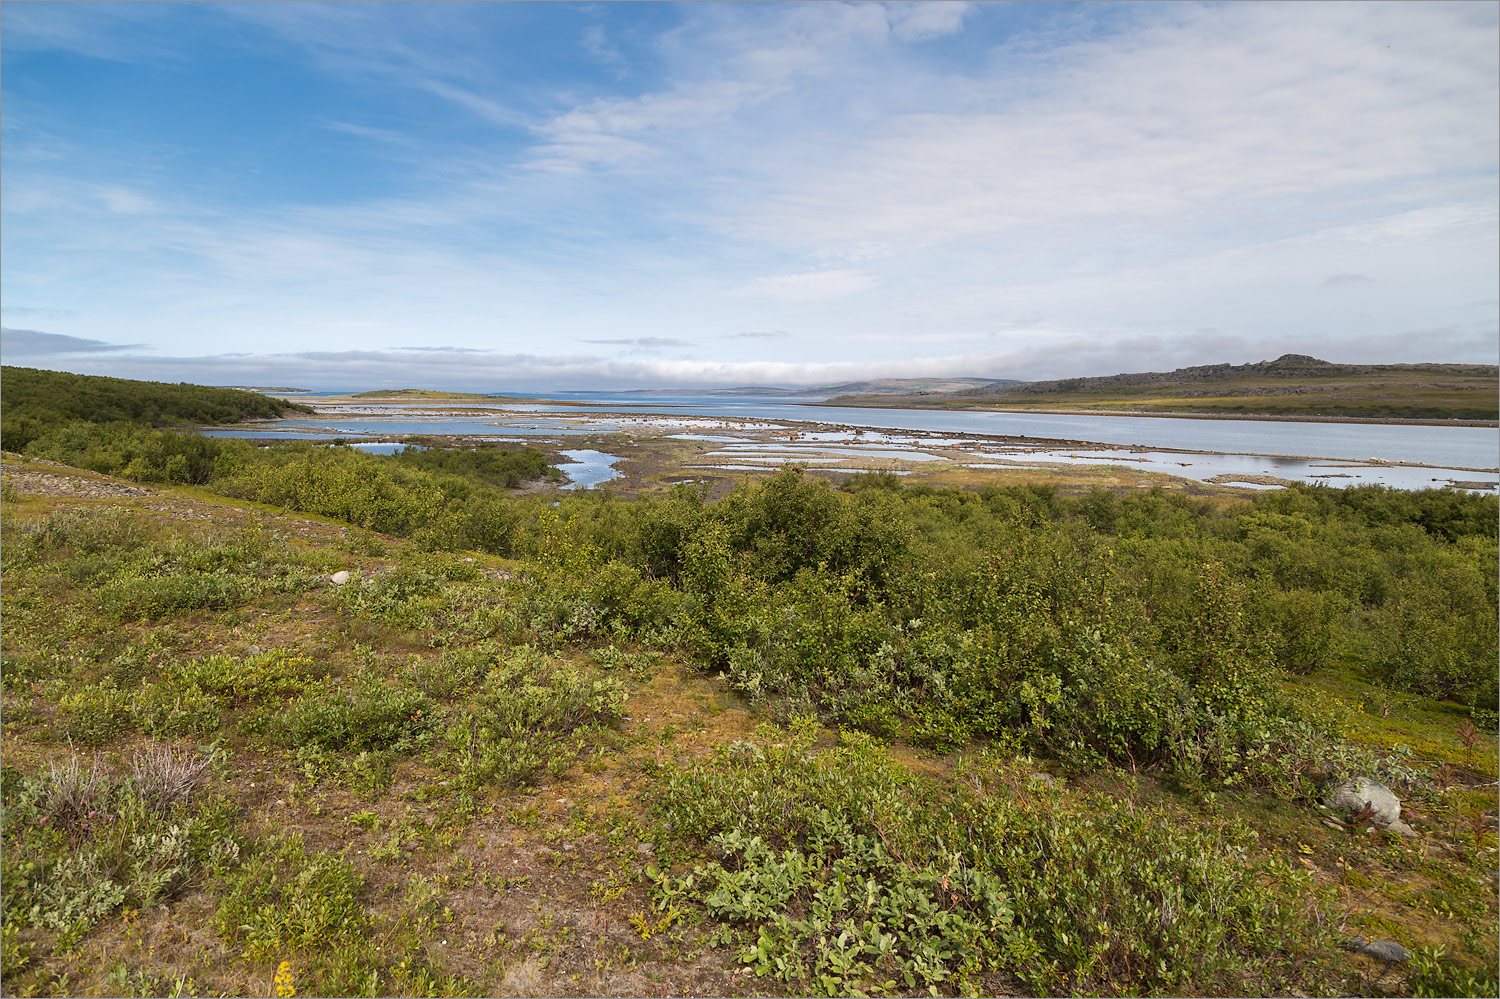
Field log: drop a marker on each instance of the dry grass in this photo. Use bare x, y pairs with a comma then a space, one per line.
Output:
165, 775
74, 795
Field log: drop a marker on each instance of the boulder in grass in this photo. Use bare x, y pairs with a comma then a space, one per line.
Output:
339, 578
1380, 950
1368, 799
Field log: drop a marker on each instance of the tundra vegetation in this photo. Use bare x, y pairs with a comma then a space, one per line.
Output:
878, 739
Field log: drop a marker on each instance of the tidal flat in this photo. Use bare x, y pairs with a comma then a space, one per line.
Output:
665, 447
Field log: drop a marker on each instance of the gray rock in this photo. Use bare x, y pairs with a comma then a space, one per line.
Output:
1380, 950
252, 650
339, 578
1402, 829
1351, 797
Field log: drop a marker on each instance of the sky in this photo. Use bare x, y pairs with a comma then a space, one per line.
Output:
504, 197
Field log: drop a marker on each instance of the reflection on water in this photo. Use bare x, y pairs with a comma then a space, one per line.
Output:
756, 432
766, 468
386, 447
590, 468
1202, 467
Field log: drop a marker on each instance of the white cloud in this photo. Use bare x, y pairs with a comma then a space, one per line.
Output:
921, 21
808, 286
16, 343
1204, 118
1127, 173
1047, 356
613, 132
498, 372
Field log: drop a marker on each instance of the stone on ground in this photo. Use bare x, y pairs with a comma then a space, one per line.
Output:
1351, 797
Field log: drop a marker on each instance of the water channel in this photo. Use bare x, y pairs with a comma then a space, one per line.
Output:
1405, 456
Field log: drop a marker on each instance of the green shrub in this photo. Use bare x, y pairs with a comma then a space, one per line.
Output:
269, 676
1434, 976
842, 871
281, 899
414, 594
351, 486
169, 710
137, 598
36, 399
94, 715
523, 719
484, 463
358, 716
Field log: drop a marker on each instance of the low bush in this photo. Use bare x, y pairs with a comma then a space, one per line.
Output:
265, 677
82, 842
281, 900
361, 714
523, 720
94, 715
841, 871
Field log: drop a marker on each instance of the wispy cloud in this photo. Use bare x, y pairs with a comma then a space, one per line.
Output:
809, 286
921, 21
16, 343
386, 135
100, 31
890, 181
643, 341
39, 312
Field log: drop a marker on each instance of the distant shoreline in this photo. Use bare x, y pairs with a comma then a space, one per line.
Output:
1388, 420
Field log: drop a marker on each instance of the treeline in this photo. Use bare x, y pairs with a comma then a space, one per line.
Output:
34, 402
454, 494
485, 463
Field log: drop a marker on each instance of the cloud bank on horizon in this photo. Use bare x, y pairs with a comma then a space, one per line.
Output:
539, 196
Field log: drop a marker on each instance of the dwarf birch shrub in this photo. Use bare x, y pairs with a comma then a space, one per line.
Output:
281, 899
840, 871
524, 717
356, 714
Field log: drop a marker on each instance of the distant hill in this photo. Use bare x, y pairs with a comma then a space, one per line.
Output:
876, 385
33, 401
1291, 385
417, 394
913, 386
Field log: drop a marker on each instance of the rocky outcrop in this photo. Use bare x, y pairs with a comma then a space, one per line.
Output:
1361, 800
47, 484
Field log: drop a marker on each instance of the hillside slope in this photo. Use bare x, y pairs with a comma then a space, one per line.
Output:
33, 401
1291, 385
258, 753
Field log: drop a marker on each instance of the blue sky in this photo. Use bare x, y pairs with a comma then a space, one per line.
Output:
523, 197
